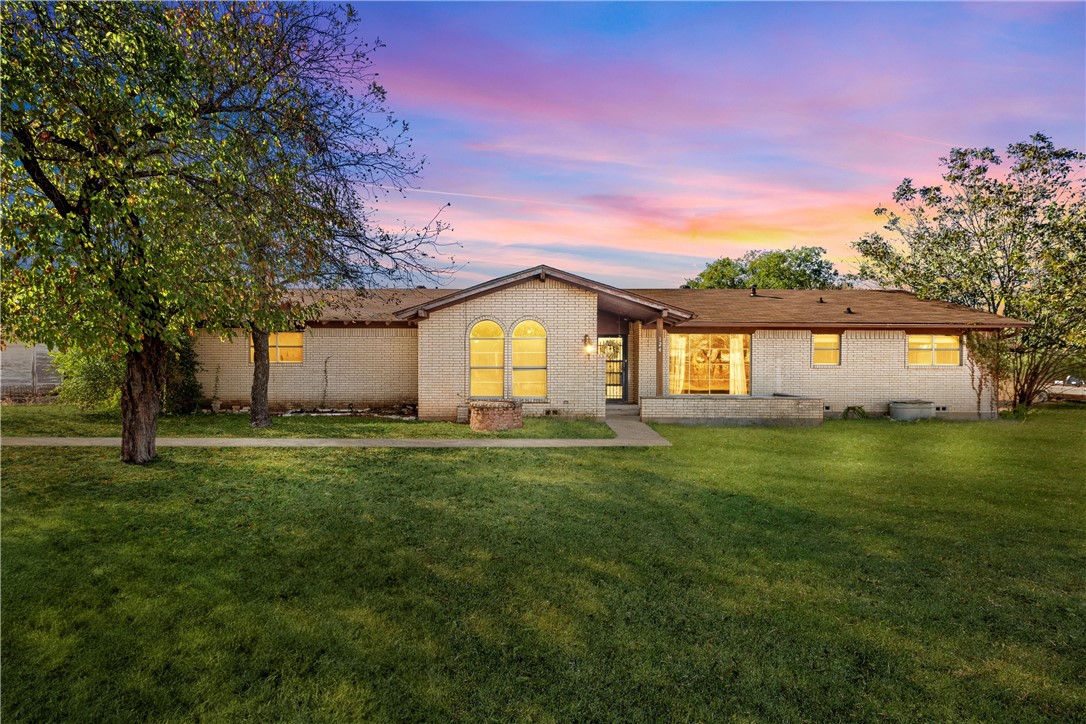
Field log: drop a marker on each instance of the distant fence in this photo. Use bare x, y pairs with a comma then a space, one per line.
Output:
27, 371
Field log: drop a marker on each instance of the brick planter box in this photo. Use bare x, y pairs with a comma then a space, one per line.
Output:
731, 410
495, 415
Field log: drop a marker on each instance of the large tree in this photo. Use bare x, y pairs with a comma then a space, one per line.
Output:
801, 267
162, 175
302, 104
1007, 240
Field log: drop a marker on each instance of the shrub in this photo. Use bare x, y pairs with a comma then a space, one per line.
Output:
92, 380
89, 380
182, 394
856, 411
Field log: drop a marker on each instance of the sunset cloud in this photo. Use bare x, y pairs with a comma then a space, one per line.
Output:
639, 141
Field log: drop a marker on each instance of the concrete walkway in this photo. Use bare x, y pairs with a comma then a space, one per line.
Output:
629, 432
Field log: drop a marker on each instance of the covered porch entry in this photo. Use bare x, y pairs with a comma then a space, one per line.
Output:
629, 342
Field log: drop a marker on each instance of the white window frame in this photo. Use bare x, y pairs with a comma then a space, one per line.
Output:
273, 346
514, 368
815, 348
909, 349
472, 367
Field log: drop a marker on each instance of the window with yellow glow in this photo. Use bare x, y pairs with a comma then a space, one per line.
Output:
710, 364
529, 360
826, 349
283, 347
487, 355
935, 350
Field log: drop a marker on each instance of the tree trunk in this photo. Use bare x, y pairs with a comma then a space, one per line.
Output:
258, 398
141, 400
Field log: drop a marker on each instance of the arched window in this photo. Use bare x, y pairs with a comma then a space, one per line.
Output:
487, 352
529, 360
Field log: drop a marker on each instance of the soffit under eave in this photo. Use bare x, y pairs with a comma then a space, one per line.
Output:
627, 309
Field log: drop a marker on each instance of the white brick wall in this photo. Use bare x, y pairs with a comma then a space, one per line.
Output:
575, 381
728, 410
644, 336
366, 366
873, 372
380, 365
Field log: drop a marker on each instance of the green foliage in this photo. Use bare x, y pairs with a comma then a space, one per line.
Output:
801, 267
169, 167
1009, 242
95, 379
101, 246
90, 380
182, 393
157, 157
856, 411
1018, 412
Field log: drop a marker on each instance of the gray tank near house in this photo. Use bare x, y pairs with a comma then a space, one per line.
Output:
27, 371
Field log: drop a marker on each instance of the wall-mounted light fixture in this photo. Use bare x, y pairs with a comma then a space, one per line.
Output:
588, 346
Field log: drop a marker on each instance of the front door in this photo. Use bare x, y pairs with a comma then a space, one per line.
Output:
613, 350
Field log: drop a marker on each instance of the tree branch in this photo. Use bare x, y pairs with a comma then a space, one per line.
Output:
28, 157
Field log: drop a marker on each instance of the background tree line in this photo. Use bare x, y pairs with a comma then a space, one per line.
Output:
1007, 241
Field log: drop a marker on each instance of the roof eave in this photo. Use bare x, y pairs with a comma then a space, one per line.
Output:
1008, 324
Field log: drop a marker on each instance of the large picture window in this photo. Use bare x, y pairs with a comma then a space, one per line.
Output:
935, 350
529, 360
487, 354
716, 364
283, 347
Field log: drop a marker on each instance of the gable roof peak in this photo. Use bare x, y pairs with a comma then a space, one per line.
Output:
608, 295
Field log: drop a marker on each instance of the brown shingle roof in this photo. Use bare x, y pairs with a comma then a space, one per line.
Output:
731, 308
376, 305
800, 308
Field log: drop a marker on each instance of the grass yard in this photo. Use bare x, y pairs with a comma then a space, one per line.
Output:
861, 570
70, 421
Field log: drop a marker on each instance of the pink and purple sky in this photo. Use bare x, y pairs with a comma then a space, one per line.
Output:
632, 143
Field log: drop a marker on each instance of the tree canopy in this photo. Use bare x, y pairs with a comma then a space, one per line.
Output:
801, 267
174, 167
1009, 241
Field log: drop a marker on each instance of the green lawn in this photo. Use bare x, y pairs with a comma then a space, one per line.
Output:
860, 570
69, 421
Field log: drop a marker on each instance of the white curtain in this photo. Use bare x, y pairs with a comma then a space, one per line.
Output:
678, 359
738, 365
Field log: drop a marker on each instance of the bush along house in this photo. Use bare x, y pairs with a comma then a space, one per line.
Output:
561, 344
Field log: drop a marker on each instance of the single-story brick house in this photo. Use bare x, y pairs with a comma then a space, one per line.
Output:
565, 345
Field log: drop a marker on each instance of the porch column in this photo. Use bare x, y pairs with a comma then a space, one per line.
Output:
659, 356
